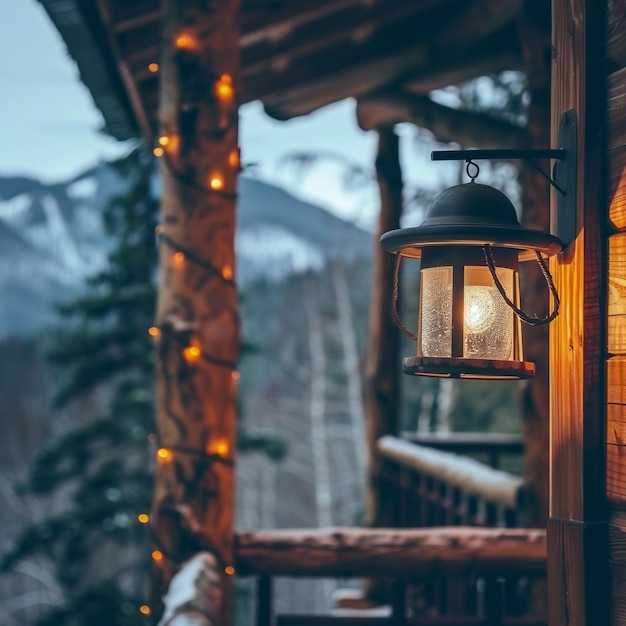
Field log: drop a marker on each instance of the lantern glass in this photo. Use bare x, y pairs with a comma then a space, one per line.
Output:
436, 312
488, 322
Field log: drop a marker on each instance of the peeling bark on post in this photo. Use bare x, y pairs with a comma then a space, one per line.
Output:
197, 309
382, 366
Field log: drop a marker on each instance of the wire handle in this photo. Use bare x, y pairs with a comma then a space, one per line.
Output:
395, 317
532, 320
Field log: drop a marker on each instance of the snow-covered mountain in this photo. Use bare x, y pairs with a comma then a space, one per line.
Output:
51, 240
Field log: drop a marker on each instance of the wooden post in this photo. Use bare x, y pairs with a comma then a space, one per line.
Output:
197, 310
577, 530
382, 364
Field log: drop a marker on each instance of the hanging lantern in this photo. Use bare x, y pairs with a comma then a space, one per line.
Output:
469, 320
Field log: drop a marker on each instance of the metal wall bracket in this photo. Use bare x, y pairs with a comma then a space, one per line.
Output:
563, 177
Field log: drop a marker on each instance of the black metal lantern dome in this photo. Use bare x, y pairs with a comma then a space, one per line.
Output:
470, 246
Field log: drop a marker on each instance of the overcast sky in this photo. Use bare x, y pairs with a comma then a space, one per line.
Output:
49, 125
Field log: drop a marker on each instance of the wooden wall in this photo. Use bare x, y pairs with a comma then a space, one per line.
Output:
616, 305
577, 528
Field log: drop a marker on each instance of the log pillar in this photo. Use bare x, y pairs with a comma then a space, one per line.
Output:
197, 309
577, 528
382, 365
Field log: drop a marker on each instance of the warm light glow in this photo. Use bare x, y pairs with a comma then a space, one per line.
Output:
219, 447
230, 570
157, 555
224, 88
164, 140
233, 159
153, 331
178, 258
144, 609
227, 272
164, 455
143, 518
158, 152
235, 375
185, 41
216, 182
192, 354
153, 67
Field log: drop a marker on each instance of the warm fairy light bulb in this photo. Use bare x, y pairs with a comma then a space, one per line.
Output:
158, 151
233, 158
143, 518
164, 455
229, 570
153, 67
144, 609
219, 447
479, 312
216, 182
178, 258
185, 41
227, 272
192, 353
164, 140
157, 555
153, 331
224, 88
235, 375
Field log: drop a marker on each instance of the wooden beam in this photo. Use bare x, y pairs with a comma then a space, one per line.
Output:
448, 125
577, 529
388, 551
125, 16
197, 309
382, 365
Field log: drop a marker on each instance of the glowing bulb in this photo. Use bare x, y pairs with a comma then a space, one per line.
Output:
178, 258
144, 609
153, 331
153, 67
219, 447
164, 140
185, 41
235, 375
229, 570
158, 152
224, 88
479, 310
233, 159
143, 518
216, 182
227, 272
157, 555
164, 455
192, 354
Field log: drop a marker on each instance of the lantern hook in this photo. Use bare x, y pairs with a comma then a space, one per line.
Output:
476, 171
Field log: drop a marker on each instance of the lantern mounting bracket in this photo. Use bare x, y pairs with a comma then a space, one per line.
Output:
563, 177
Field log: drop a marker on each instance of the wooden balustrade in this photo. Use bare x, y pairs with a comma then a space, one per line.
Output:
432, 487
477, 563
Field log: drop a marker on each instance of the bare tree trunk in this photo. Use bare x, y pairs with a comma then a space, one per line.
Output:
382, 366
535, 35
354, 388
197, 310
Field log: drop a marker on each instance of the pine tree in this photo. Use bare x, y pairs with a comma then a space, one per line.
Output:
97, 546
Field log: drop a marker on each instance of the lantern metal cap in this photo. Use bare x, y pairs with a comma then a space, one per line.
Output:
469, 215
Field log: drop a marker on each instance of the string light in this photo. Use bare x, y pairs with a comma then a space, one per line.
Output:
153, 331
235, 375
227, 272
229, 570
143, 518
157, 555
158, 152
178, 258
144, 609
165, 455
192, 353
153, 67
219, 447
233, 159
224, 88
185, 41
164, 140
216, 182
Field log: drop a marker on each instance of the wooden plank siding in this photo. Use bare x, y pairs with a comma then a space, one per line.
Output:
616, 307
577, 528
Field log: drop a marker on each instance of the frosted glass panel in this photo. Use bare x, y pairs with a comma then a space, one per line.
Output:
436, 311
487, 319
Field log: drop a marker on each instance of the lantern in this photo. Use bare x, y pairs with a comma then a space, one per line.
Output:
469, 320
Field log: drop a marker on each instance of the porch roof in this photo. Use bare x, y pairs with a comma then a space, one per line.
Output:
296, 55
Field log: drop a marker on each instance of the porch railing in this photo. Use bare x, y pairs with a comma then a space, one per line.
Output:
430, 487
